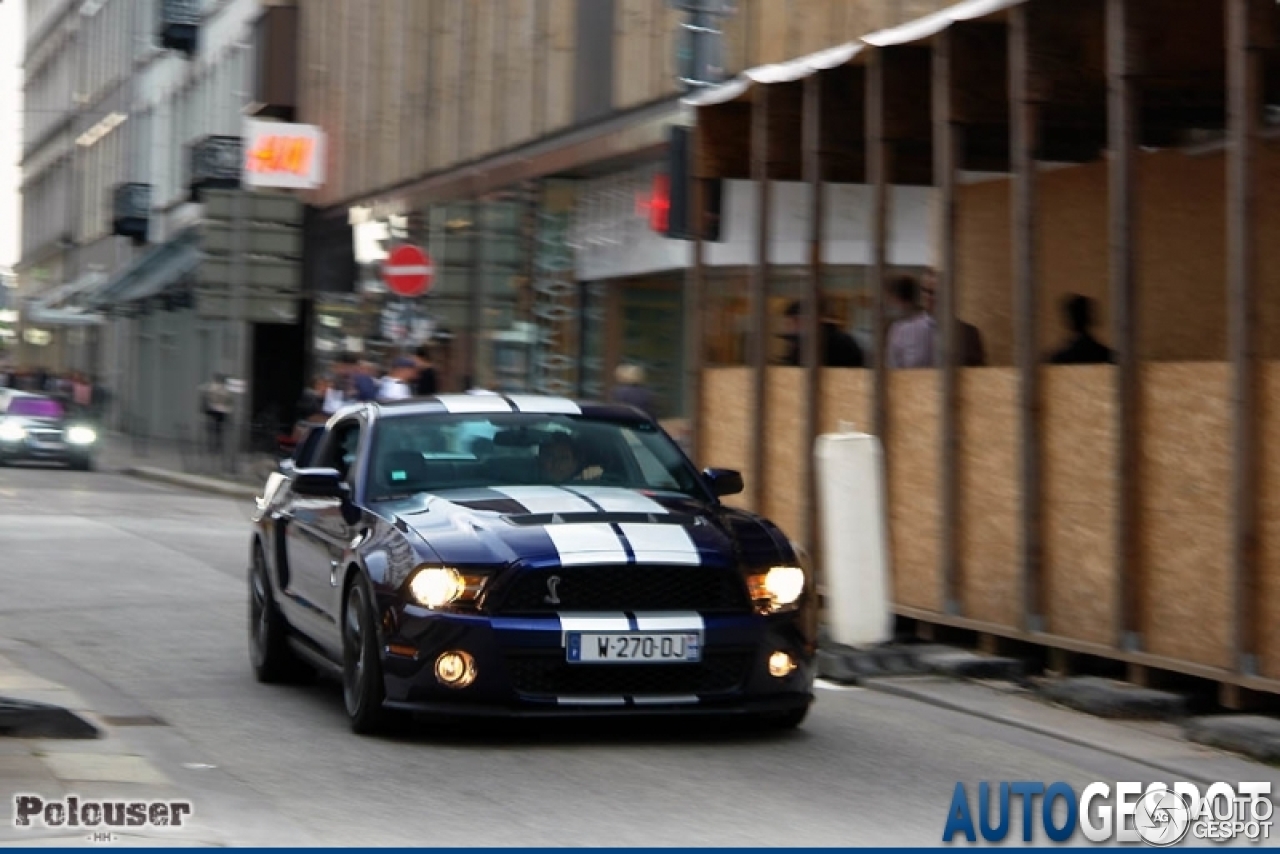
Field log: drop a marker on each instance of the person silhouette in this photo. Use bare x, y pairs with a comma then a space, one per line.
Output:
1082, 348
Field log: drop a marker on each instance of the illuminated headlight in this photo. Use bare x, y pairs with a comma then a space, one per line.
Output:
12, 433
777, 590
81, 436
442, 586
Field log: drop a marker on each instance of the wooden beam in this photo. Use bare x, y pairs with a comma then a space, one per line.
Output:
1122, 131
878, 166
1023, 144
812, 356
946, 136
1246, 67
759, 295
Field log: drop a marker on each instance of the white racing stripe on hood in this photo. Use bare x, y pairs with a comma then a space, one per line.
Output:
659, 543
473, 403
617, 500
547, 499
544, 405
587, 543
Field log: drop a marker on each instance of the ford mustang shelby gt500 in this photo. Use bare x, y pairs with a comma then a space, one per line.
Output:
523, 555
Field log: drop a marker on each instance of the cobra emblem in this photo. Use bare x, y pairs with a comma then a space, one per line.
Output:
552, 598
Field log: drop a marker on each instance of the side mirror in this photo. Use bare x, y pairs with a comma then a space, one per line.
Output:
724, 481
319, 483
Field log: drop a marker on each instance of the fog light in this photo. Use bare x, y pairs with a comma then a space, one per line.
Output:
781, 664
456, 669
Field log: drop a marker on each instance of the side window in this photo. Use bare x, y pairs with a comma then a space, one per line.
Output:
306, 450
340, 447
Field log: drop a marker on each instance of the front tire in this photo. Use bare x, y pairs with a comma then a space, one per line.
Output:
362, 688
82, 464
273, 661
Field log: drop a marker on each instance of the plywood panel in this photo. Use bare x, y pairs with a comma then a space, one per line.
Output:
913, 472
787, 450
1080, 491
1182, 260
725, 427
1186, 512
846, 399
990, 496
1269, 557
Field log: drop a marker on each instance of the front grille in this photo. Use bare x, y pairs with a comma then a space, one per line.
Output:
551, 676
624, 588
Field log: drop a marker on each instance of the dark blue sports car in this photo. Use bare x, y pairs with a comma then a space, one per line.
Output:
488, 554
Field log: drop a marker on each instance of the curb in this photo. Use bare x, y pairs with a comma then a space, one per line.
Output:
898, 690
192, 481
27, 719
1251, 735
854, 665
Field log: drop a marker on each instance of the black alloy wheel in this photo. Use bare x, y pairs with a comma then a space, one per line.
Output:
362, 688
273, 661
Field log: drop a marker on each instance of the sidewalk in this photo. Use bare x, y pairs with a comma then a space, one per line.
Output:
184, 464
104, 768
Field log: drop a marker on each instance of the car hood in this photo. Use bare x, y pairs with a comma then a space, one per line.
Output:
540, 526
31, 422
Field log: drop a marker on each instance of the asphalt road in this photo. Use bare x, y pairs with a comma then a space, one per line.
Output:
139, 592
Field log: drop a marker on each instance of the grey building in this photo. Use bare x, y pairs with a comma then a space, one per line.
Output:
125, 264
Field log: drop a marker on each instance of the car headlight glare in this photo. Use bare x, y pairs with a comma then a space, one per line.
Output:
443, 586
436, 587
778, 589
81, 436
12, 433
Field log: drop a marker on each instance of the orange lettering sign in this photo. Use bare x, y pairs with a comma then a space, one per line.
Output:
277, 154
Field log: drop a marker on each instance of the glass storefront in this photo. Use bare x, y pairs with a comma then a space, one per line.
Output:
507, 310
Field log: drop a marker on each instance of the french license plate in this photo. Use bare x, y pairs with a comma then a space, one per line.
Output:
633, 647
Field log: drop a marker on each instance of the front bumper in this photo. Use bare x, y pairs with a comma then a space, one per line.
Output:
522, 671
31, 450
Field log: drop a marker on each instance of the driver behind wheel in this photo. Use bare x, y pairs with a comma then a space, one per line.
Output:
558, 461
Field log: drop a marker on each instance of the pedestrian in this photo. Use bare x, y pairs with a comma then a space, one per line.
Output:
911, 336
215, 401
396, 384
973, 353
1082, 348
836, 348
427, 382
632, 391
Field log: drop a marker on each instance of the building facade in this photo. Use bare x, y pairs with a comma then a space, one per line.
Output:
139, 109
527, 146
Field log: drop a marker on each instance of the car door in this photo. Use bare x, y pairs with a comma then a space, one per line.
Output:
317, 537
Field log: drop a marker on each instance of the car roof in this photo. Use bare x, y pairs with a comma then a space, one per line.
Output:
491, 403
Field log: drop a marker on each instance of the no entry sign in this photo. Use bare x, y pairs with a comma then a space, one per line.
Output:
408, 271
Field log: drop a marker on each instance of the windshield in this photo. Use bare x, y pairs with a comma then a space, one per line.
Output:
433, 453
35, 407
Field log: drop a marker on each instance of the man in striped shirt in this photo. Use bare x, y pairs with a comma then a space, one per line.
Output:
912, 336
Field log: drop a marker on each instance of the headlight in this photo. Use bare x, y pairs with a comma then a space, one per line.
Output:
440, 586
12, 433
81, 436
777, 590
